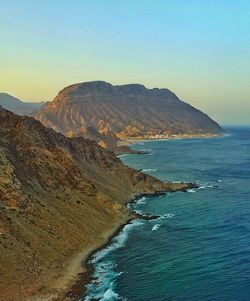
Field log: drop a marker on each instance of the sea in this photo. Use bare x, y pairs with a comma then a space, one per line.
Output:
199, 247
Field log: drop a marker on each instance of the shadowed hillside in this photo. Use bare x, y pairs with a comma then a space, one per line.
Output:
17, 106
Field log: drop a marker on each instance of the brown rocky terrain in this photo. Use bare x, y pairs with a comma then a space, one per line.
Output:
123, 111
60, 198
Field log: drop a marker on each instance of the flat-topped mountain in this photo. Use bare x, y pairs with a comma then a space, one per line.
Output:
17, 106
125, 110
60, 198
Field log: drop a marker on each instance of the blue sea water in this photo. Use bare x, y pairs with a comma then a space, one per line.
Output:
199, 250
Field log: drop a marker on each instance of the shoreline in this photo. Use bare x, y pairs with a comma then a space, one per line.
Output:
134, 140
78, 289
70, 285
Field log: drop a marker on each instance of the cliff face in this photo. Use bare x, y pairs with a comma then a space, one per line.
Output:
58, 195
127, 110
17, 106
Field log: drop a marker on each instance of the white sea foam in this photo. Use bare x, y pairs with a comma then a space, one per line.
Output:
202, 187
167, 215
105, 274
156, 227
117, 242
138, 211
141, 201
226, 135
110, 294
191, 190
205, 186
219, 181
123, 155
149, 170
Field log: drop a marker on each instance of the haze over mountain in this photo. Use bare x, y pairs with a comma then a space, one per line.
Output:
123, 111
17, 106
59, 198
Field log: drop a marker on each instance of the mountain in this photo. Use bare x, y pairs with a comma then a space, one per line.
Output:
60, 198
17, 106
125, 111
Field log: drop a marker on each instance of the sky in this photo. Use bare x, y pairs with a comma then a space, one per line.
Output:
199, 49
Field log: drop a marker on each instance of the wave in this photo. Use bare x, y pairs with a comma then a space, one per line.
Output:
156, 227
117, 242
141, 201
227, 135
123, 155
105, 274
167, 215
110, 294
148, 170
203, 186
138, 211
208, 186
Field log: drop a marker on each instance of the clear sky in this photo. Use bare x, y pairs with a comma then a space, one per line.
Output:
199, 49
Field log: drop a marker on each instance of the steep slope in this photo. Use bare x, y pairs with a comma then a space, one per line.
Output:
17, 106
127, 110
59, 199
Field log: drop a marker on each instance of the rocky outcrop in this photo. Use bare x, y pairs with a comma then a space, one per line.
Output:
58, 196
17, 106
125, 110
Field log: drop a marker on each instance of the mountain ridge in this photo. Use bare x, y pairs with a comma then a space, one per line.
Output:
127, 111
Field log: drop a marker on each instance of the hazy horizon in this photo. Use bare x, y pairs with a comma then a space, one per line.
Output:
199, 50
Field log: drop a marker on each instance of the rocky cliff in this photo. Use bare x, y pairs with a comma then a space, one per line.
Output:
59, 199
125, 111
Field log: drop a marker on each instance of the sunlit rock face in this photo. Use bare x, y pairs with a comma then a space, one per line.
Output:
125, 111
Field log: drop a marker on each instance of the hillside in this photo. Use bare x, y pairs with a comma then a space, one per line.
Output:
125, 111
60, 198
17, 106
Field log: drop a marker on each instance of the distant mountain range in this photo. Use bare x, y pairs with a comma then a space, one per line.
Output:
107, 113
17, 106
59, 197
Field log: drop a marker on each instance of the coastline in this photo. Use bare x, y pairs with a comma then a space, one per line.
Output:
76, 290
78, 271
133, 140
